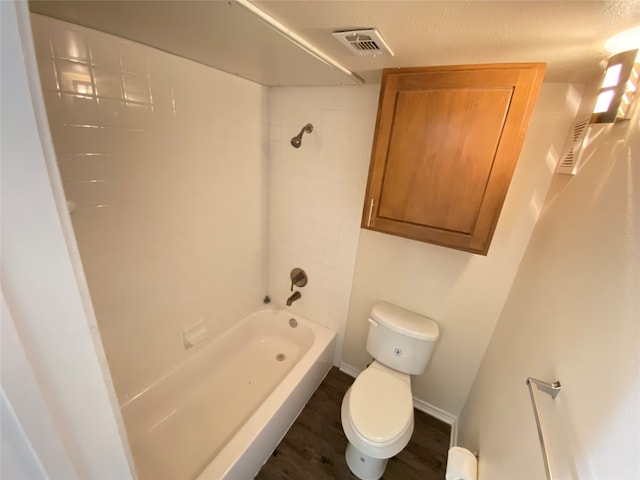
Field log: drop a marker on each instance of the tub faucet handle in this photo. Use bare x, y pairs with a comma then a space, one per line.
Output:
298, 278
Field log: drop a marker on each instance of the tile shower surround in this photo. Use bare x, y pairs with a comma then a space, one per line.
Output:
163, 160
315, 195
160, 155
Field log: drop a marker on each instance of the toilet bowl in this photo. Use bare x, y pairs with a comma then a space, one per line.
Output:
377, 418
377, 411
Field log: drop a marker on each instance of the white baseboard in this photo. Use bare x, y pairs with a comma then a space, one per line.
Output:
441, 415
349, 370
454, 435
421, 405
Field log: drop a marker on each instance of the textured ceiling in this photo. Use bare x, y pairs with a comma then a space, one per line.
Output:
567, 35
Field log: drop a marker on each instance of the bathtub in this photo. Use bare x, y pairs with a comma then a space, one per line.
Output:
224, 410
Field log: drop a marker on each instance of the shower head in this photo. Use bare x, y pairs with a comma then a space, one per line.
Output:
297, 140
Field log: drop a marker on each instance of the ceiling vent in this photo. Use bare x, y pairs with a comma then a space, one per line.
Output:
569, 163
365, 43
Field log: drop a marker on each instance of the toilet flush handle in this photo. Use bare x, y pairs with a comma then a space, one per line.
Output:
373, 322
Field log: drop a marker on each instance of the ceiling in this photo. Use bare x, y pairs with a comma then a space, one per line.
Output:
567, 35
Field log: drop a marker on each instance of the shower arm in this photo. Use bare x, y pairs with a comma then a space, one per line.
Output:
308, 128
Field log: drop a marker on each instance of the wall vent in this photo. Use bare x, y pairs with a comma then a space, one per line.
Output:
569, 163
365, 43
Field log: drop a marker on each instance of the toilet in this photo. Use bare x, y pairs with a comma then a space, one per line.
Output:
377, 411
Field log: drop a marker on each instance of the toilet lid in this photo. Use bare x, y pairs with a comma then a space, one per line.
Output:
380, 405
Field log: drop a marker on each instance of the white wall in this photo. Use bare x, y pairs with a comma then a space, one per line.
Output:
463, 292
572, 315
316, 194
164, 159
18, 460
61, 411
32, 446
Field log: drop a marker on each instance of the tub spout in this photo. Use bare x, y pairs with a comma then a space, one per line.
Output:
295, 296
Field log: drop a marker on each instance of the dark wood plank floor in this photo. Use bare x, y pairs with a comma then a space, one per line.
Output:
314, 446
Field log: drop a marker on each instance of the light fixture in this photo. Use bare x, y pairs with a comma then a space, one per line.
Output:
618, 88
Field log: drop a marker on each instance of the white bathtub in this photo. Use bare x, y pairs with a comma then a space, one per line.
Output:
222, 412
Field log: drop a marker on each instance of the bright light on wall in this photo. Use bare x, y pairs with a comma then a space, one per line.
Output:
624, 41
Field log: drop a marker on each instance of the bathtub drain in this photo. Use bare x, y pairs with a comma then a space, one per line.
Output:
280, 357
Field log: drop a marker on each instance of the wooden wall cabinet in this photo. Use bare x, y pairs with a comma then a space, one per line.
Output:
446, 143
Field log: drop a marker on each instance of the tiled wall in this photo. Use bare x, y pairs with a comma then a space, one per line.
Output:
316, 194
163, 158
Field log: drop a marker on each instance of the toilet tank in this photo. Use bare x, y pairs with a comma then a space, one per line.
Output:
400, 339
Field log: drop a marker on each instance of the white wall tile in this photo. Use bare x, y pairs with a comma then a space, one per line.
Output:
53, 104
104, 53
133, 58
76, 168
74, 77
70, 43
47, 72
139, 116
157, 193
136, 88
111, 112
41, 32
108, 82
80, 110
316, 194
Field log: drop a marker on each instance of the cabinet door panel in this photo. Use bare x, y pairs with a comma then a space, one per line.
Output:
446, 144
441, 152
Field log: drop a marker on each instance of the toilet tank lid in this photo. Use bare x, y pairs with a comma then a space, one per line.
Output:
405, 322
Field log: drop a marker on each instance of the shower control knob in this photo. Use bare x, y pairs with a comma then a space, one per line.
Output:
298, 278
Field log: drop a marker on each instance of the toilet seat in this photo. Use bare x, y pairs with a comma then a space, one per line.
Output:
377, 411
380, 405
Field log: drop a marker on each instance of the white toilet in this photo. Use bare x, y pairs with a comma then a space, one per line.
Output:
377, 411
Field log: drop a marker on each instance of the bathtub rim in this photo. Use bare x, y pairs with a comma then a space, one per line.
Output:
200, 349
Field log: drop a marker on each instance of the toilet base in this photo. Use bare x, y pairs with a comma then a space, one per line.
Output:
363, 466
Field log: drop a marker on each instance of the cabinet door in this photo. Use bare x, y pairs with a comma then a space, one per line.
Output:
446, 144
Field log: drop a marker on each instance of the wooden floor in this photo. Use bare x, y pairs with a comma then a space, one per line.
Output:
313, 449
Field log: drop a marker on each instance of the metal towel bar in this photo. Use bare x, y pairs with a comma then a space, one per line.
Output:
552, 389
